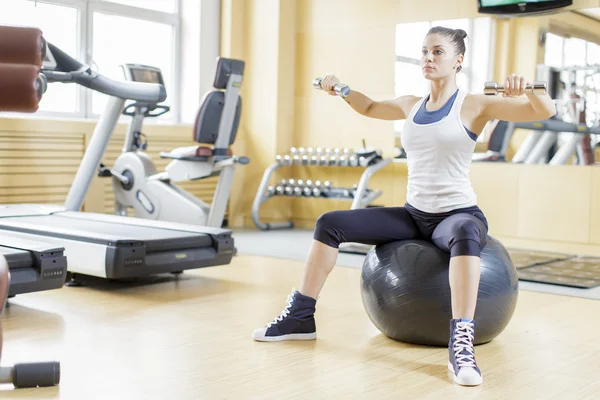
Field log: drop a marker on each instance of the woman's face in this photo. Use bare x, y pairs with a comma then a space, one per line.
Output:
438, 57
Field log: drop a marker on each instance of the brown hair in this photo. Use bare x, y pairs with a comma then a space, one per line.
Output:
456, 36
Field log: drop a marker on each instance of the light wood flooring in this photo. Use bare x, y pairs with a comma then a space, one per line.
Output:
190, 338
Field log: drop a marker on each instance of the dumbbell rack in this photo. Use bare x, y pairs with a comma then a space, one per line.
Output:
360, 195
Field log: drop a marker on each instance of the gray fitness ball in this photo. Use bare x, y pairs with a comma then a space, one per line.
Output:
406, 293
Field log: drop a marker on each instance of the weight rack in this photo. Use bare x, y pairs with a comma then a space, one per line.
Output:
360, 195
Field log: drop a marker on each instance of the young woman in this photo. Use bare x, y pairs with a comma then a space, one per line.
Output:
439, 138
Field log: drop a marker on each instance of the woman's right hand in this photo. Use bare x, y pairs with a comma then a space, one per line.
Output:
328, 83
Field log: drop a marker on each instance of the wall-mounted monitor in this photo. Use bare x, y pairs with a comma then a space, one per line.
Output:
521, 7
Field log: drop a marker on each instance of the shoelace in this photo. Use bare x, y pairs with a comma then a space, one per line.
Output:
286, 310
463, 344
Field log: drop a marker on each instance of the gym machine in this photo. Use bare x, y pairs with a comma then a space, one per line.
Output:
153, 195
21, 88
102, 245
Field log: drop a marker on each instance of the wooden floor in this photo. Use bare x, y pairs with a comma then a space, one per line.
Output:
190, 338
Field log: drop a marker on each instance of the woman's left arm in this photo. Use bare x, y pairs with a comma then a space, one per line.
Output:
513, 107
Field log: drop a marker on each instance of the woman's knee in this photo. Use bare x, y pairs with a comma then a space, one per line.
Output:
328, 230
467, 238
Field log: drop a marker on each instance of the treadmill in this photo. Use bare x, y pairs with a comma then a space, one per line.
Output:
34, 265
111, 246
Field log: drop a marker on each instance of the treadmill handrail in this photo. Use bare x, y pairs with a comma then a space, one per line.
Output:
556, 125
70, 70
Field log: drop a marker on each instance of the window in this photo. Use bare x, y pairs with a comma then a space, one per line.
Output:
103, 34
476, 66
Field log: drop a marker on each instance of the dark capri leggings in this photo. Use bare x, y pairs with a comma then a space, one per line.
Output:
462, 232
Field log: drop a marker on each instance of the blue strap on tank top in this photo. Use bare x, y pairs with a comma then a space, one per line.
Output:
427, 117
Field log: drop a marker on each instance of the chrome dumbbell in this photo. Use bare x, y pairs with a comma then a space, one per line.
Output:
340, 89
538, 87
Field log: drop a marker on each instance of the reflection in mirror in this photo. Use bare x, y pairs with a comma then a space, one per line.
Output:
561, 48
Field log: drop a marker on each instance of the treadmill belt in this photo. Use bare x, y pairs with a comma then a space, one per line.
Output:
155, 239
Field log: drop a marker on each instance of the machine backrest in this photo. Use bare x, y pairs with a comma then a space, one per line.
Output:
496, 141
228, 78
208, 119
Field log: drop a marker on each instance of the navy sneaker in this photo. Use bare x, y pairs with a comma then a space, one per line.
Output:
461, 360
296, 321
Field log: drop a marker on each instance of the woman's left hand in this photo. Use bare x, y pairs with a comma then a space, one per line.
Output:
514, 86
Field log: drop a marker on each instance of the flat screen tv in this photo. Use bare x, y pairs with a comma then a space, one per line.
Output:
517, 7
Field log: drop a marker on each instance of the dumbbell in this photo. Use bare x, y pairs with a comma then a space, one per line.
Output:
271, 190
538, 87
280, 190
28, 375
339, 89
293, 150
287, 160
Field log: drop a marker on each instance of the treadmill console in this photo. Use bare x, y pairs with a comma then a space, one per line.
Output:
142, 73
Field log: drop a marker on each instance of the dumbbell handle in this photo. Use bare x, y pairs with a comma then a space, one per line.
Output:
340, 89
538, 87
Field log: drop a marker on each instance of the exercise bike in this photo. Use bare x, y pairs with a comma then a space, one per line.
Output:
154, 195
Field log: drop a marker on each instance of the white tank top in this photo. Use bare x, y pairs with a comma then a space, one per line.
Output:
439, 157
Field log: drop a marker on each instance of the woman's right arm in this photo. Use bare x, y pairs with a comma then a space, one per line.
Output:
391, 110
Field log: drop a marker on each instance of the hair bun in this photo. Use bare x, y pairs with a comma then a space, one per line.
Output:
461, 33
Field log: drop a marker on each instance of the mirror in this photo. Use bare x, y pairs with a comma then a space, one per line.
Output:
561, 48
